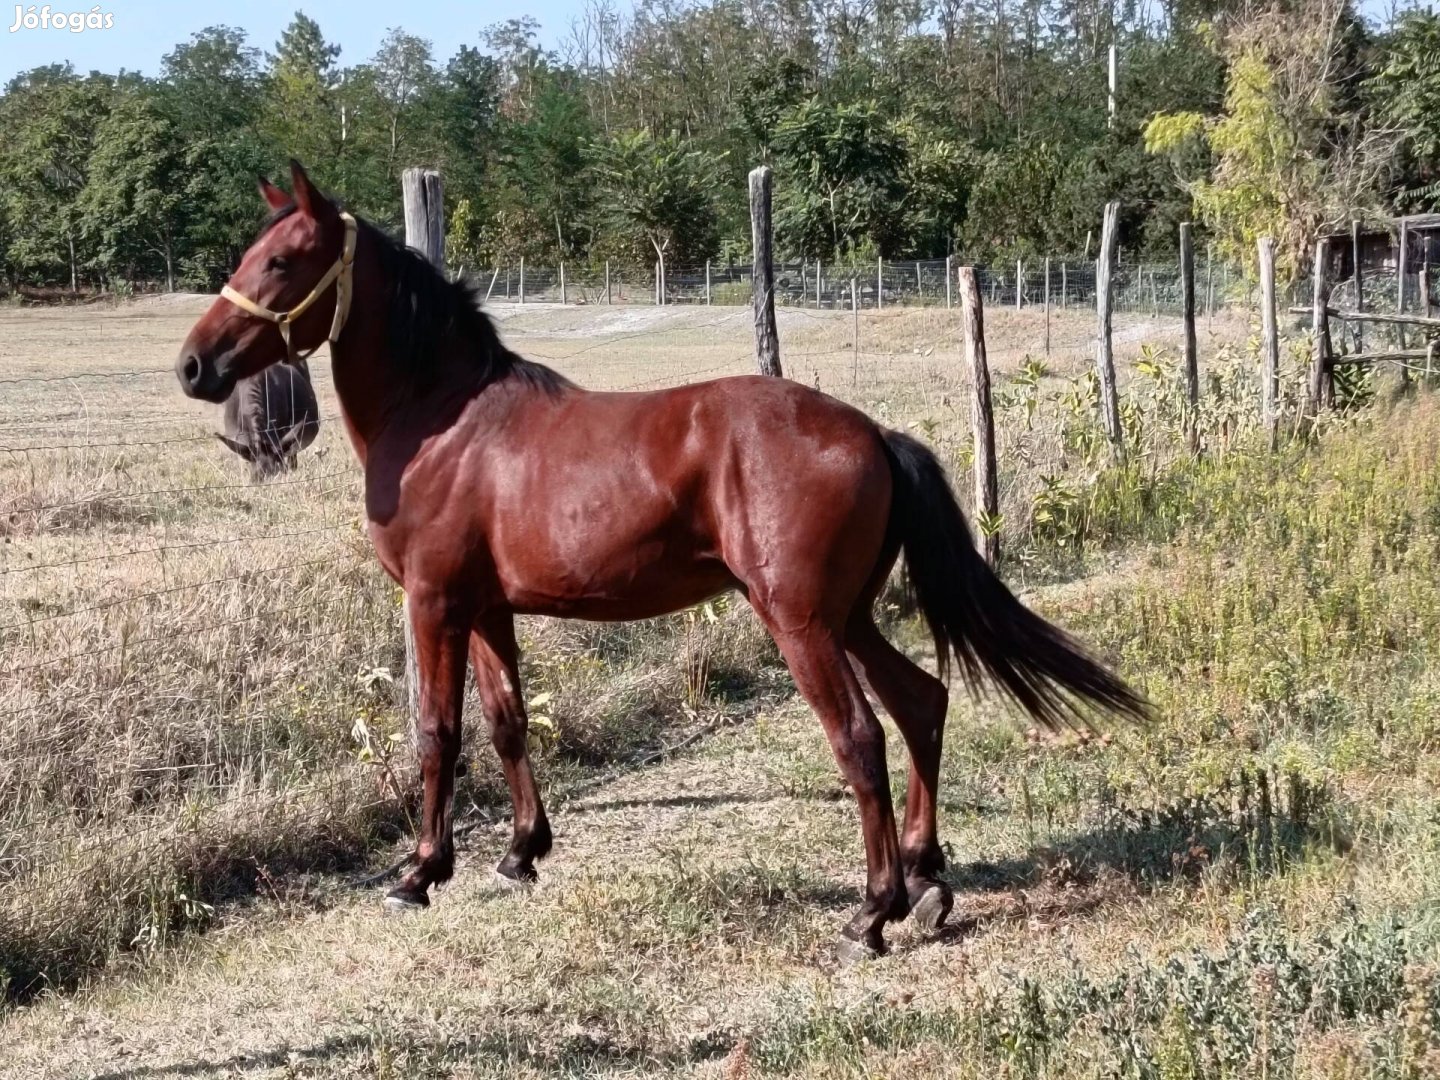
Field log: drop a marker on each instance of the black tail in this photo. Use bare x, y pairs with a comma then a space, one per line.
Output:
973, 614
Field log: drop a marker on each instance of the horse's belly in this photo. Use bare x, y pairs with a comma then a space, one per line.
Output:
635, 585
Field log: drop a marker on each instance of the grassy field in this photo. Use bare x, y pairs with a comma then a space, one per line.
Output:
200, 762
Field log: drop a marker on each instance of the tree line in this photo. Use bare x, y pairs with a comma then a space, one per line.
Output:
896, 128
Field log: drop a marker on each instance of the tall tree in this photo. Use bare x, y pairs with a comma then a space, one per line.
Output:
656, 192
133, 202
50, 118
302, 109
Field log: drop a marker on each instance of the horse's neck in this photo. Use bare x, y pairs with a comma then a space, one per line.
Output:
378, 402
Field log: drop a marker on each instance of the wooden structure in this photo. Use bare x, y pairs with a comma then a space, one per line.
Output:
982, 416
767, 336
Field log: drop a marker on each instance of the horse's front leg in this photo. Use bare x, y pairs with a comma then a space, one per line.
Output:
441, 630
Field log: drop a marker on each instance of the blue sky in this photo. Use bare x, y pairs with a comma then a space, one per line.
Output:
145, 30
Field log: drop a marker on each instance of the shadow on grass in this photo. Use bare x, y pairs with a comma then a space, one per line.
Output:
584, 1054
1258, 825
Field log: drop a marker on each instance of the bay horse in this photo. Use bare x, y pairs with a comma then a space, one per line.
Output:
494, 487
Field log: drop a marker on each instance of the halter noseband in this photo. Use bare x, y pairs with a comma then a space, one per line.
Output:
340, 273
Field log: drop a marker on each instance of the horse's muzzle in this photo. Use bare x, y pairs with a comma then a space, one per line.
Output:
201, 378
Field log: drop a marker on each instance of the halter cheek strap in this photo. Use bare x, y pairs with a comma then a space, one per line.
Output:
340, 274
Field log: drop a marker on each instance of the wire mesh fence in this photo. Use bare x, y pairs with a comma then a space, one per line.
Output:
1140, 287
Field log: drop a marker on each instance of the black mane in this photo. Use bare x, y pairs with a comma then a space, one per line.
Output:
432, 317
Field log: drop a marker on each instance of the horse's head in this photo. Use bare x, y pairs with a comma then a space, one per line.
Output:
290, 292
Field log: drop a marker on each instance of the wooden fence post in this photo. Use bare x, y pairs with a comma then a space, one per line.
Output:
1064, 285
1188, 351
1104, 345
767, 337
1359, 284
522, 279
982, 416
1320, 325
564, 293
819, 276
608, 298
855, 331
948, 271
1047, 305
1210, 285
1269, 344
1402, 297
707, 282
423, 194
1019, 282
879, 283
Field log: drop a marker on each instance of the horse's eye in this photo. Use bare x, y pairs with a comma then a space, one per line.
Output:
280, 263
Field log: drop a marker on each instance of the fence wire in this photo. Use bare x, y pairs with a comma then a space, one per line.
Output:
1140, 287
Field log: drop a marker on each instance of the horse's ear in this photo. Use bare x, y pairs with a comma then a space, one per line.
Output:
273, 196
239, 447
308, 197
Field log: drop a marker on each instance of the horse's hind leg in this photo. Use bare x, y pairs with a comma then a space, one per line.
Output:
495, 658
916, 701
816, 658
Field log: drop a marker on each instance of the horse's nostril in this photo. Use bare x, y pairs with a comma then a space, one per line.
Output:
192, 370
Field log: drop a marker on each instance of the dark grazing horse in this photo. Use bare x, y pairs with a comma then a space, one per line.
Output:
496, 487
270, 417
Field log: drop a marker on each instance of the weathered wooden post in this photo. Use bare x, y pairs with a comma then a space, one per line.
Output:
1359, 285
1401, 295
767, 336
1320, 325
879, 283
1047, 305
423, 194
1210, 285
1019, 283
855, 331
608, 298
707, 282
522, 279
1104, 345
564, 293
819, 276
982, 416
1188, 351
1269, 344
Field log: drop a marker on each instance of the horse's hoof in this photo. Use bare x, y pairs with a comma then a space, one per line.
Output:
851, 952
515, 884
933, 908
398, 902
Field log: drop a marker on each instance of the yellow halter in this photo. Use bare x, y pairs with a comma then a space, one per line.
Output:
341, 274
